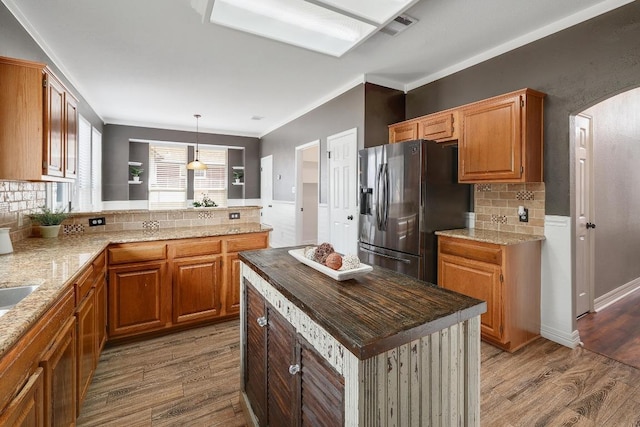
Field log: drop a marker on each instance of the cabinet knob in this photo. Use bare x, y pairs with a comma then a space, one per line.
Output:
262, 321
294, 369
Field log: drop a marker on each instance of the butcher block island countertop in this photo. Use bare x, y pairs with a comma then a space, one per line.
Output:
54, 264
405, 350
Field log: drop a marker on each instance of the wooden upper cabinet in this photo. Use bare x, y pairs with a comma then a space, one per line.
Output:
439, 127
405, 131
501, 139
21, 122
38, 124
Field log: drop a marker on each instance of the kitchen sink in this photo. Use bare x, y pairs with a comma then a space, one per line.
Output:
11, 296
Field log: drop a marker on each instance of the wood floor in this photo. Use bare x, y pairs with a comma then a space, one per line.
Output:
192, 378
614, 331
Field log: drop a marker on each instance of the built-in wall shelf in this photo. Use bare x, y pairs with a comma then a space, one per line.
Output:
135, 163
237, 167
135, 182
237, 183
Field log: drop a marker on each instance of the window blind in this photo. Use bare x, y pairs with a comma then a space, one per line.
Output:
167, 177
82, 192
213, 180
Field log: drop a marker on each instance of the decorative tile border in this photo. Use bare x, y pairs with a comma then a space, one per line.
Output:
496, 207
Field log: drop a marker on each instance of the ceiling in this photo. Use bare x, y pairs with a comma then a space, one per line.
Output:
155, 63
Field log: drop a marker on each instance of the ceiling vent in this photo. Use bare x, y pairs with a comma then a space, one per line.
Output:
398, 25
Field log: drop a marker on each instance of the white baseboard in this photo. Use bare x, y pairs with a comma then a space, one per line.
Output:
571, 340
609, 298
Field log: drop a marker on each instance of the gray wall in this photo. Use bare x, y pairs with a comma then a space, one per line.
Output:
616, 156
115, 156
139, 152
576, 68
15, 42
339, 114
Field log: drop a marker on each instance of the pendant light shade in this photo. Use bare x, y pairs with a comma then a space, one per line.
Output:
196, 164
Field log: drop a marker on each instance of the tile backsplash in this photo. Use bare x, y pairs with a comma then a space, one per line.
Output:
496, 207
17, 201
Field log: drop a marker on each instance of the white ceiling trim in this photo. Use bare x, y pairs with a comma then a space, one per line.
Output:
328, 97
151, 125
538, 34
383, 81
29, 28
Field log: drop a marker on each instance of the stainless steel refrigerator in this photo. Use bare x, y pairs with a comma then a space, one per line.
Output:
408, 191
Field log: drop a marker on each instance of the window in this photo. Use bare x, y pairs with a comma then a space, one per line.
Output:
167, 177
213, 180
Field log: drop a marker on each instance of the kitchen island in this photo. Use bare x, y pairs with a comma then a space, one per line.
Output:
380, 349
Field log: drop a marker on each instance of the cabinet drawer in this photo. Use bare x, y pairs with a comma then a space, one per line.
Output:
254, 241
84, 284
485, 252
195, 247
99, 263
137, 253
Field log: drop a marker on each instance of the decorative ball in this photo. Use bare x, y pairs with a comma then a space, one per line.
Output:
349, 262
310, 253
323, 251
334, 260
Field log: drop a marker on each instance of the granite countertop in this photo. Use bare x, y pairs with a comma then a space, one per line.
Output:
370, 314
490, 236
55, 263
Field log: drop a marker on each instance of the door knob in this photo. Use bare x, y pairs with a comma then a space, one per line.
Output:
590, 225
350, 217
294, 369
262, 321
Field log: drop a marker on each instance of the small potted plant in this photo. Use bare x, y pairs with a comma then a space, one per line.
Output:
136, 171
49, 221
205, 203
238, 175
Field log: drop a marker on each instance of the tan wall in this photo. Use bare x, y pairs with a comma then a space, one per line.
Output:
496, 207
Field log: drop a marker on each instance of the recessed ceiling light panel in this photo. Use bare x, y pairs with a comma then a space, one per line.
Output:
379, 11
294, 22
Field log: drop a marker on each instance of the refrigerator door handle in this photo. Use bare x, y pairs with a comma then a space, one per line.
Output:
386, 196
406, 261
379, 197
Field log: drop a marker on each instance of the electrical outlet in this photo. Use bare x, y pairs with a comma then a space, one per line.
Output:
97, 221
523, 215
234, 215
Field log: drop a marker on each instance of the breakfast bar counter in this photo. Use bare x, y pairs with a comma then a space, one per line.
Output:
407, 352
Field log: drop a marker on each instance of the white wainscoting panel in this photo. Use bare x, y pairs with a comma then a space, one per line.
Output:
556, 308
283, 222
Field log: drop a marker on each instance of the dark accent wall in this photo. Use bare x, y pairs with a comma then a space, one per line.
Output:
115, 156
382, 107
576, 68
139, 152
343, 112
236, 158
15, 42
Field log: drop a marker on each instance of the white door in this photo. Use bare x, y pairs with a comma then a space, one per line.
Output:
343, 186
306, 191
266, 190
584, 215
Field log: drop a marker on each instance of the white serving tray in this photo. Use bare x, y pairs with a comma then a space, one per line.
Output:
334, 274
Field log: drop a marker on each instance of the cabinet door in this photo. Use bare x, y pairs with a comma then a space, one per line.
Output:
232, 284
196, 288
59, 369
281, 383
86, 346
54, 127
438, 127
490, 148
255, 379
321, 390
403, 132
71, 137
101, 313
139, 299
478, 280
26, 409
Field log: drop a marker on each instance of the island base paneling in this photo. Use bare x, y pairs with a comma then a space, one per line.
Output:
433, 380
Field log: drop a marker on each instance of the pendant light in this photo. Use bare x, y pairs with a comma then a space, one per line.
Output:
196, 164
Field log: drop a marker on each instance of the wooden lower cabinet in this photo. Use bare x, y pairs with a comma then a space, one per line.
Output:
232, 291
139, 298
286, 381
27, 408
507, 277
101, 312
196, 288
59, 373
